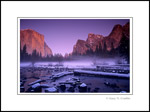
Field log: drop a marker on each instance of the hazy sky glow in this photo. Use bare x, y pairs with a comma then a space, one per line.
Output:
62, 34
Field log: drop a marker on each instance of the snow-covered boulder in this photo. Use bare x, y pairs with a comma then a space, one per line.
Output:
83, 85
53, 89
36, 85
123, 92
35, 88
37, 81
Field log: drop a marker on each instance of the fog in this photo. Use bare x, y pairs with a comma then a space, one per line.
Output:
78, 62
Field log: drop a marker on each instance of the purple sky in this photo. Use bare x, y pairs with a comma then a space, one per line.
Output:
62, 34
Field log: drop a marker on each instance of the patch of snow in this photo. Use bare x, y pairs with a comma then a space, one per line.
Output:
123, 92
83, 85
61, 74
53, 89
35, 85
37, 81
102, 73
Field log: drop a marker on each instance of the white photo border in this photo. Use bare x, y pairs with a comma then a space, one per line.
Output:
131, 56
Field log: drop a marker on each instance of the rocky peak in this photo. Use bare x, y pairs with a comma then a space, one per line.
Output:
116, 33
93, 38
114, 37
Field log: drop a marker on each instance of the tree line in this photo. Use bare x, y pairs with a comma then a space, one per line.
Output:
123, 50
36, 56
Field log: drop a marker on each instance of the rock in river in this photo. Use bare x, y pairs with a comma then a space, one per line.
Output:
52, 90
83, 87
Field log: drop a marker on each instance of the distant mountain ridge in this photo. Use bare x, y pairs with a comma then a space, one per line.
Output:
105, 44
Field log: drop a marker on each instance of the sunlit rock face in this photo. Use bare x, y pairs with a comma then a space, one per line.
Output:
34, 40
112, 41
47, 50
93, 41
114, 38
81, 47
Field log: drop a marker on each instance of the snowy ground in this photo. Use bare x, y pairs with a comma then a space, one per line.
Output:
68, 76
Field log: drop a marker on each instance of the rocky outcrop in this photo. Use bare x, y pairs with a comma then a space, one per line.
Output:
91, 43
94, 40
81, 47
113, 39
34, 41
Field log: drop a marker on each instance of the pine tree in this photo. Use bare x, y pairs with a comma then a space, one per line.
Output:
40, 56
105, 49
97, 51
124, 48
34, 57
24, 49
112, 51
21, 53
24, 53
100, 49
